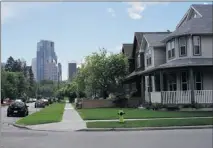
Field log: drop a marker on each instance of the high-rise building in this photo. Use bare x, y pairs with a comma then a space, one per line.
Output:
59, 72
33, 64
72, 69
46, 61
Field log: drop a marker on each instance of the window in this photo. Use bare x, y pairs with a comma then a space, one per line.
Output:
149, 84
198, 81
184, 80
172, 82
182, 46
149, 58
196, 45
138, 61
171, 49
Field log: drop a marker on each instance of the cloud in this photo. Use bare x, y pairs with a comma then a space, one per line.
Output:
135, 9
111, 11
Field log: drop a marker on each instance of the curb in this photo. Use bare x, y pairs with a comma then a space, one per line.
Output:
21, 126
146, 128
27, 128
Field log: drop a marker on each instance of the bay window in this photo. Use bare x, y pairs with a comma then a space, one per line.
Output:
182, 46
171, 49
196, 45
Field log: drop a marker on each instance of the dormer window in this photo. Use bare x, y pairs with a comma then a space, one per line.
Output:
182, 46
196, 45
171, 49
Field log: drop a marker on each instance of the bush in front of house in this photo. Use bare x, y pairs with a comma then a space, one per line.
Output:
120, 101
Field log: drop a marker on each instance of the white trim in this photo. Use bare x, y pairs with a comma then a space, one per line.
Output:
196, 11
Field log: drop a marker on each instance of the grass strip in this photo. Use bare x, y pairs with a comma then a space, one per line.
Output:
111, 113
151, 123
50, 114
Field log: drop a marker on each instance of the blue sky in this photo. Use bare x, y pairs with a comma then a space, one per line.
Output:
80, 28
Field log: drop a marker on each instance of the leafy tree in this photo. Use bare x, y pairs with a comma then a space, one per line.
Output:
104, 71
21, 84
101, 74
10, 64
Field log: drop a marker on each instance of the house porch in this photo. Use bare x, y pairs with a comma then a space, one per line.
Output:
186, 85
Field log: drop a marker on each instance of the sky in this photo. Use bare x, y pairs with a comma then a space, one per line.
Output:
80, 28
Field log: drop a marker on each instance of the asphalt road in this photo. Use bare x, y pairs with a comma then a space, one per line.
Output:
10, 120
140, 139
12, 137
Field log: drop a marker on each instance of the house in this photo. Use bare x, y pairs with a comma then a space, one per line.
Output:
176, 67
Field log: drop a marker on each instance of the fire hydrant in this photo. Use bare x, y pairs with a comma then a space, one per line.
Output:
121, 117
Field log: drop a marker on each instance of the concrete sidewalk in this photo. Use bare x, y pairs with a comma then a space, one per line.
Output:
146, 119
71, 121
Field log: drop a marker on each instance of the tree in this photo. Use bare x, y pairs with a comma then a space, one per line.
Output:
10, 64
105, 71
21, 85
101, 74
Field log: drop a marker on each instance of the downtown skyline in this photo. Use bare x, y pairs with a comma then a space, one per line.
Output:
104, 24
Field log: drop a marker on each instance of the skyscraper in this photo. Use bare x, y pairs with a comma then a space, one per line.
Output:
72, 69
46, 61
59, 72
33, 64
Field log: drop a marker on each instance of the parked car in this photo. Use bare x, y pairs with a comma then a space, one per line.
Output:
17, 108
18, 100
46, 102
34, 100
40, 104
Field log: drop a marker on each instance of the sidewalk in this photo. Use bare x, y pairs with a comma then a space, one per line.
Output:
146, 119
71, 121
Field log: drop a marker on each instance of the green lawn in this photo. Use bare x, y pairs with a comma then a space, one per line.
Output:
50, 114
111, 113
152, 123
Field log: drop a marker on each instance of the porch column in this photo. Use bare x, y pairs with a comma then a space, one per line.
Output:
191, 84
161, 85
143, 89
150, 85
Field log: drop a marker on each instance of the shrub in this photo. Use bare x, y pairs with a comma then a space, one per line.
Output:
72, 97
156, 106
120, 101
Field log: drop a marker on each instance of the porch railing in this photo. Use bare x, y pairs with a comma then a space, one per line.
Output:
182, 97
203, 96
176, 97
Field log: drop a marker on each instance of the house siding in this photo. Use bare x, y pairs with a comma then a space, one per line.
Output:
159, 56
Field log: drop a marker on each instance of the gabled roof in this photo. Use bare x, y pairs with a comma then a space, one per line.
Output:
139, 36
200, 25
155, 38
127, 49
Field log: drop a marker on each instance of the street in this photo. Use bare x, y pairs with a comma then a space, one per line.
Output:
143, 139
12, 137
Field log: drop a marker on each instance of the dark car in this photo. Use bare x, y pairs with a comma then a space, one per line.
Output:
17, 108
40, 104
